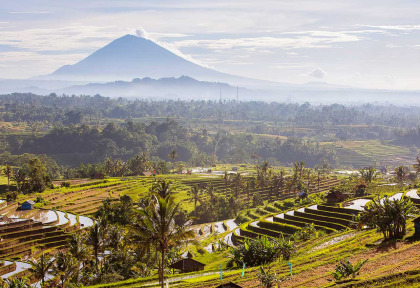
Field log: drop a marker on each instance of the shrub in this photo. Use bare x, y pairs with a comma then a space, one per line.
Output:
254, 252
267, 278
306, 232
65, 184
389, 217
345, 269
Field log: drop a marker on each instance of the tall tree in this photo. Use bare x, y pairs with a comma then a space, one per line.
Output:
162, 188
195, 195
401, 173
173, 155
368, 174
65, 265
19, 176
96, 238
417, 166
79, 250
7, 170
37, 174
41, 267
156, 228
237, 184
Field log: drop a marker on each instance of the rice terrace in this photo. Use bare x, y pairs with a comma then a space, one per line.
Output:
209, 144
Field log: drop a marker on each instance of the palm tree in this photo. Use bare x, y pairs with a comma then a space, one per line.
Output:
173, 155
210, 191
162, 188
156, 228
298, 168
195, 194
41, 268
95, 238
401, 173
65, 266
417, 166
7, 170
79, 250
262, 171
237, 183
390, 217
368, 174
17, 282
19, 176
226, 180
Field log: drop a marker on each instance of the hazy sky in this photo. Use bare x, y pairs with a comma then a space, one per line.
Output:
362, 43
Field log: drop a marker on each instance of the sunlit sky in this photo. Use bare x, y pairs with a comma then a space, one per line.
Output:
359, 43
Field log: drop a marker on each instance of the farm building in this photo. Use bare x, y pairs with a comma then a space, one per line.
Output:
336, 197
28, 205
98, 176
187, 265
146, 173
229, 285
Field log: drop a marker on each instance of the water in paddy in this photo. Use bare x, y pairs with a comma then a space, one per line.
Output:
73, 219
85, 221
206, 230
20, 266
231, 224
44, 216
61, 218
218, 227
413, 194
18, 213
357, 204
397, 196
228, 239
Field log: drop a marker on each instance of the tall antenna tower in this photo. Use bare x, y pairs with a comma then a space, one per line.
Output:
220, 87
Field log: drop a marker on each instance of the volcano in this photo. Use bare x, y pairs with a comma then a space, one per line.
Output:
132, 57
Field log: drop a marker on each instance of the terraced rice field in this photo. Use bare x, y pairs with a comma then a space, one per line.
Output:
360, 154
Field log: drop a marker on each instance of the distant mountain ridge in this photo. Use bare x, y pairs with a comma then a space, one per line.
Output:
132, 57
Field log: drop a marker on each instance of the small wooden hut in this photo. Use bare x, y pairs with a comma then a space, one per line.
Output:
336, 197
146, 173
27, 205
187, 265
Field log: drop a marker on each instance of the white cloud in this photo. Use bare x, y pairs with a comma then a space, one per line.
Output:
295, 40
317, 73
140, 32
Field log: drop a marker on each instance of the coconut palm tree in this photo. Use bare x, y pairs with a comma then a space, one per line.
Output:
162, 188
195, 194
96, 238
7, 170
79, 250
65, 265
401, 173
417, 166
41, 267
390, 217
210, 191
173, 155
237, 182
155, 228
226, 180
368, 174
17, 282
19, 176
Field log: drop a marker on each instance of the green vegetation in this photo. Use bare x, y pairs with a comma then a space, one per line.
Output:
345, 269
